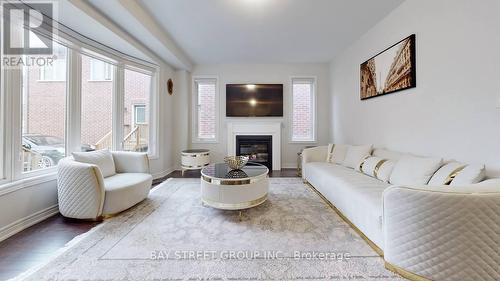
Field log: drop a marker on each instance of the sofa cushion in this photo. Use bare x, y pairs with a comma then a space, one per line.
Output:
101, 158
385, 170
123, 191
371, 164
347, 190
336, 153
387, 154
356, 154
413, 170
471, 174
446, 174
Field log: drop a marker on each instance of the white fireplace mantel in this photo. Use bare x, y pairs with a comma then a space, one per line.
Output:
256, 128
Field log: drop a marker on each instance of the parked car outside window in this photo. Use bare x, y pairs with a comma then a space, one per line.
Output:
50, 149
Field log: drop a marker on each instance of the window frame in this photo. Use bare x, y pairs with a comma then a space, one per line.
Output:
12, 175
18, 172
134, 119
194, 109
313, 82
4, 157
114, 93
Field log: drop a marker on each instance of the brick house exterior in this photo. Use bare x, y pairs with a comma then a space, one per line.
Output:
302, 111
45, 104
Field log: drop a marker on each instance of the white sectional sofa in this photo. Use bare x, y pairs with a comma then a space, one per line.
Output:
445, 232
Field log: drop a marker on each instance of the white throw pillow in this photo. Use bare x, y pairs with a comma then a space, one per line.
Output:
446, 174
384, 172
371, 164
337, 153
413, 170
355, 154
470, 175
101, 158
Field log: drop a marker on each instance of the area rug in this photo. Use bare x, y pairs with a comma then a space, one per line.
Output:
172, 236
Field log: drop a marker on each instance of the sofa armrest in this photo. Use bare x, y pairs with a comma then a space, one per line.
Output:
314, 154
443, 233
131, 162
80, 189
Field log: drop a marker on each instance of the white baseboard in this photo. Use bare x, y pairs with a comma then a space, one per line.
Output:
21, 224
289, 166
163, 173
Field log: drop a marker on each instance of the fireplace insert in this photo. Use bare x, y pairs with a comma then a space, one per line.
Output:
257, 148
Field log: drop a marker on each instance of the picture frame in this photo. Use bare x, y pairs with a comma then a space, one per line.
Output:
390, 71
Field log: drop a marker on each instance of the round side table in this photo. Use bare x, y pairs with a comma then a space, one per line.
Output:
194, 159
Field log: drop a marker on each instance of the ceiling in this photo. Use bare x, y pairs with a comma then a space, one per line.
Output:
77, 20
187, 32
266, 31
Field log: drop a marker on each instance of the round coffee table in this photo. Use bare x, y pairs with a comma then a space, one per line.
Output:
227, 189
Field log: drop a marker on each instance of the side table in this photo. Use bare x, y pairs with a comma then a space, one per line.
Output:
194, 159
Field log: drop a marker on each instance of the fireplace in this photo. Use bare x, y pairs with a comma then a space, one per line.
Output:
257, 148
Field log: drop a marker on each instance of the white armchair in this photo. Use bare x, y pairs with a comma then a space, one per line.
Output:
84, 193
443, 233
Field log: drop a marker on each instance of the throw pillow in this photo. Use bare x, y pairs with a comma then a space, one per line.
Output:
383, 173
101, 158
446, 174
371, 164
413, 170
356, 154
337, 153
329, 153
471, 174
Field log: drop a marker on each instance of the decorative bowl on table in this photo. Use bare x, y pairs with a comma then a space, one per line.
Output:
236, 162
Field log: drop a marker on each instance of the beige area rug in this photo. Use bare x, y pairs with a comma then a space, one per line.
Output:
171, 236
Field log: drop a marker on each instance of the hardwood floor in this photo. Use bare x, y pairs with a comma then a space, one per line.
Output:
35, 244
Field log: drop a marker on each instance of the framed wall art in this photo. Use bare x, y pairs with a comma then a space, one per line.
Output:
389, 71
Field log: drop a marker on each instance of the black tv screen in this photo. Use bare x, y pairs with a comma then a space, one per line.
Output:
254, 100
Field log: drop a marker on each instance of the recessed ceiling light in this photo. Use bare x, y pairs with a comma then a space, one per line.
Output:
251, 86
252, 102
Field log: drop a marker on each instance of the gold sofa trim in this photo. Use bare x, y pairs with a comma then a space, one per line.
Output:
404, 273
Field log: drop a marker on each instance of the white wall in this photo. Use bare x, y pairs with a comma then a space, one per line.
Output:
267, 73
182, 92
453, 112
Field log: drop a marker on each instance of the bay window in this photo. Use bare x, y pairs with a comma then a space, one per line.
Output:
137, 90
90, 97
303, 110
43, 115
97, 108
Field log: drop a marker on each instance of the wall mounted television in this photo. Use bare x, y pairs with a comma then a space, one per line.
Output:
254, 100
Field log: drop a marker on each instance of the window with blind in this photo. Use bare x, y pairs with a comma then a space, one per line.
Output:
303, 110
205, 110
